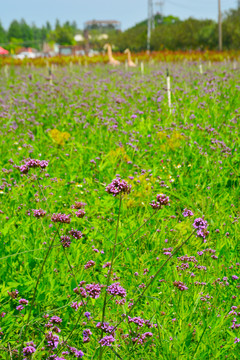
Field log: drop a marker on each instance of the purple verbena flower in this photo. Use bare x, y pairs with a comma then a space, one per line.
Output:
116, 290
118, 186
107, 340
23, 302
105, 327
78, 205
93, 290
162, 199
62, 218
87, 314
55, 319
52, 340
86, 335
180, 285
89, 264
78, 353
65, 241
80, 213
76, 234
38, 213
136, 320
29, 349
187, 213
201, 226
13, 294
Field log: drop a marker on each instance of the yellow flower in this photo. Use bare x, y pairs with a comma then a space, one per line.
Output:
58, 136
117, 154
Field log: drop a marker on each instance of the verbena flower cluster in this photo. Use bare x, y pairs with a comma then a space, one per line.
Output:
78, 205
107, 340
93, 290
65, 241
76, 234
80, 213
162, 200
39, 213
61, 218
180, 285
187, 213
118, 186
201, 226
116, 290
33, 163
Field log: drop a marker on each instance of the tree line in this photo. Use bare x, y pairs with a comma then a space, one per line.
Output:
169, 33
20, 34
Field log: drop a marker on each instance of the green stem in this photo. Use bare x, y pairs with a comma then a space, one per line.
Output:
153, 279
35, 290
110, 270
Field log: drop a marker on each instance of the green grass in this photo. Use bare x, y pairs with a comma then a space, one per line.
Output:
189, 154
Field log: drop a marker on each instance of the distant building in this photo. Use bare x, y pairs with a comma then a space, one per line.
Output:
28, 53
102, 25
69, 50
103, 37
50, 49
79, 38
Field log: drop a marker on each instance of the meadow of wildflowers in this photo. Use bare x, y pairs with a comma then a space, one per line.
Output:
120, 218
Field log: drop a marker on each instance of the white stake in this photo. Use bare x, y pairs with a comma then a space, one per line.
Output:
169, 92
142, 67
200, 69
6, 71
234, 65
50, 74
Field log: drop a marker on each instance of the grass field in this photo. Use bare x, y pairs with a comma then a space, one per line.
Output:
120, 271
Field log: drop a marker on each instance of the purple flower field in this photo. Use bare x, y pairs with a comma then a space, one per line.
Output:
120, 213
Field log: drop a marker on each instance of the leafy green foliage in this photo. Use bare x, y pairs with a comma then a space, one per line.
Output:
112, 121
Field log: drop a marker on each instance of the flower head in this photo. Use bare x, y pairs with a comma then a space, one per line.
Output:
116, 290
29, 349
38, 213
162, 199
93, 290
52, 340
65, 241
62, 218
32, 163
23, 302
76, 234
89, 264
118, 186
80, 213
201, 226
187, 213
107, 340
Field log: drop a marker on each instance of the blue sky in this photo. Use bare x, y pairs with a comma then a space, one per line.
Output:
128, 12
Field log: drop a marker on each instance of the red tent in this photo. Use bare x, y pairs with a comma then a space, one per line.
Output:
3, 51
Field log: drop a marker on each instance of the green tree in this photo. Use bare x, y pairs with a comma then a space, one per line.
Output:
14, 30
62, 36
3, 35
231, 29
26, 34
